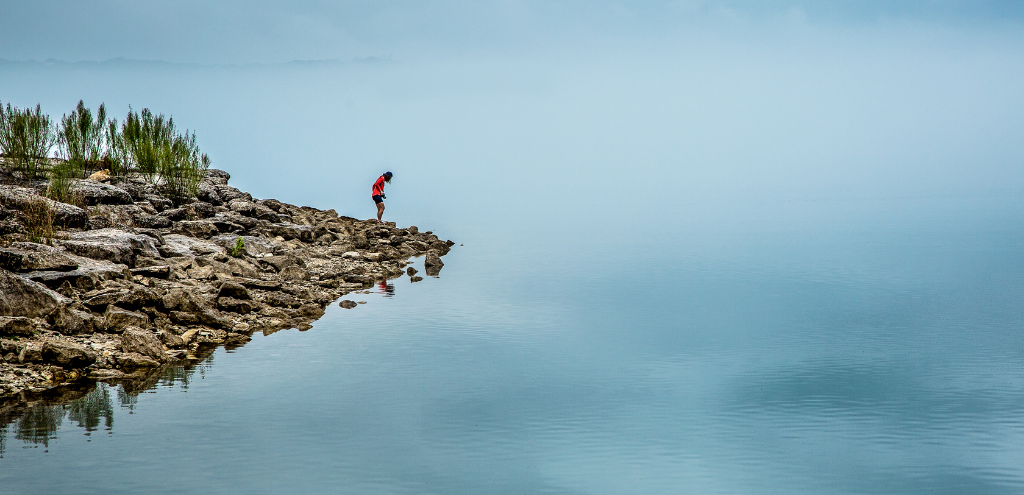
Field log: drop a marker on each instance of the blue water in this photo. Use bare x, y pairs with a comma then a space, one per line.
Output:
884, 361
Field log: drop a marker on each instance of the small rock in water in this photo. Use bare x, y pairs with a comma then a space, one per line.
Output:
415, 279
347, 304
362, 302
411, 271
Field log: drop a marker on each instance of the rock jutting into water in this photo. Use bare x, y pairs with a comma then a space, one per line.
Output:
131, 282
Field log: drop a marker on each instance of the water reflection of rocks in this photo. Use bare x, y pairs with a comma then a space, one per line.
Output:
34, 418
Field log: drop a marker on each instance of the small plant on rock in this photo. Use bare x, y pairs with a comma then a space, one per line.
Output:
239, 248
39, 219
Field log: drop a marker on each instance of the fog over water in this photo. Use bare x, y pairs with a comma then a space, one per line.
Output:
710, 246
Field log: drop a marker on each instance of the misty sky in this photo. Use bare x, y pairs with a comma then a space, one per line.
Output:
699, 111
265, 31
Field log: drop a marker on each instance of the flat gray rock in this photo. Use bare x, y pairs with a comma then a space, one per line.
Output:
23, 297
98, 193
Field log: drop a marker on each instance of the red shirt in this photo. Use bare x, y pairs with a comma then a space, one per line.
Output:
378, 187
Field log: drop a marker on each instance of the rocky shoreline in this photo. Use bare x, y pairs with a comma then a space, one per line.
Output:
130, 283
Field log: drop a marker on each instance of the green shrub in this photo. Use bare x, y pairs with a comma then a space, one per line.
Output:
62, 176
26, 138
117, 157
181, 168
146, 137
81, 138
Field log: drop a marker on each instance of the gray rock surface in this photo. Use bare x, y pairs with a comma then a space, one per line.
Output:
29, 256
67, 354
12, 326
22, 297
117, 320
143, 342
96, 193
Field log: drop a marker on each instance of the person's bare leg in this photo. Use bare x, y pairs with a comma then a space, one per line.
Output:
380, 211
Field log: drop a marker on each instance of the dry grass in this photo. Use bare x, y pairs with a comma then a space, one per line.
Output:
39, 218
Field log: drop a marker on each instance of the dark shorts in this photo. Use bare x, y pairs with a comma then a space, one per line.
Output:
377, 198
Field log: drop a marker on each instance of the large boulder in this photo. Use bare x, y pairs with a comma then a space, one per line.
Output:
243, 206
98, 250
177, 245
207, 192
227, 193
30, 256
240, 306
68, 354
64, 215
233, 289
110, 244
201, 229
290, 231
98, 193
23, 297
138, 297
117, 319
17, 326
140, 244
143, 342
70, 321
88, 276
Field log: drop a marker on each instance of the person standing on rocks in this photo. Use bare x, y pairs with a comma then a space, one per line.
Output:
378, 193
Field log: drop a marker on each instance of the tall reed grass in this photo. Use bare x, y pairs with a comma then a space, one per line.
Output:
144, 144
26, 138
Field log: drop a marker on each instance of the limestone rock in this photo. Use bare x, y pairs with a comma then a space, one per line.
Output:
281, 300
243, 206
141, 244
67, 354
170, 340
138, 297
175, 214
234, 290
22, 297
117, 320
136, 360
196, 228
294, 273
31, 353
17, 326
233, 305
95, 193
29, 256
432, 260
73, 322
347, 304
177, 245
143, 342
98, 250
290, 231
64, 214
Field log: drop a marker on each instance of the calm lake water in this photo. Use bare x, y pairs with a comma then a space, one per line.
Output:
857, 362
762, 264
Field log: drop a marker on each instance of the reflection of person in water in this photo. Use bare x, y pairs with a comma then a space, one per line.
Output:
385, 288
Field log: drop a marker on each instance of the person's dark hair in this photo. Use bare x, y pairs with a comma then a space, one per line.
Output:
387, 176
